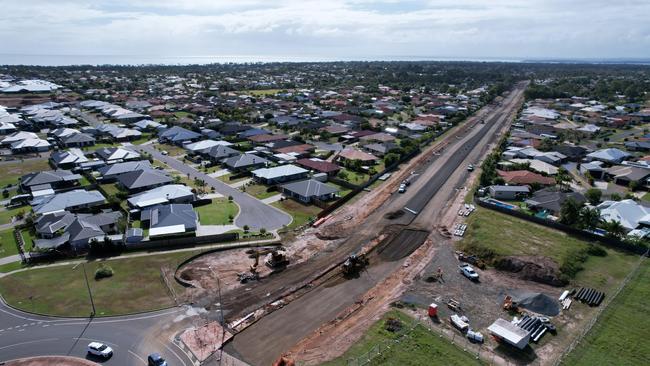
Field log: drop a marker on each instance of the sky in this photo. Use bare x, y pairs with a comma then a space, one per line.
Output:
328, 29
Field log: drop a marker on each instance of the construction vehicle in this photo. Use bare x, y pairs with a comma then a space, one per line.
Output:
471, 259
275, 257
354, 264
284, 361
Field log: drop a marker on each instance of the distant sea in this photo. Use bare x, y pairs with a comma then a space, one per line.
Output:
66, 60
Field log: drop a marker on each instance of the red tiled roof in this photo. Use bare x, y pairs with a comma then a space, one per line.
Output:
267, 138
354, 154
525, 177
300, 149
319, 165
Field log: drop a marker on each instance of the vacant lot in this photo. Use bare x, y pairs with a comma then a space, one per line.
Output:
7, 243
7, 214
172, 150
620, 336
218, 212
135, 286
259, 191
492, 234
12, 170
301, 214
420, 347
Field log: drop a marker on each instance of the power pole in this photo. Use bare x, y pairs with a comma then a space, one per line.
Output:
90, 294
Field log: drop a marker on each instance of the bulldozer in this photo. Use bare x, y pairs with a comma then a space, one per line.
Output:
354, 265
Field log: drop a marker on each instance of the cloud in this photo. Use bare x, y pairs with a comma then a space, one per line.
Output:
345, 29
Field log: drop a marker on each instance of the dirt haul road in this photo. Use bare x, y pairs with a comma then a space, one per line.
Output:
266, 339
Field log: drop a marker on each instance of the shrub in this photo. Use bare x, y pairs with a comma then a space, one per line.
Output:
103, 271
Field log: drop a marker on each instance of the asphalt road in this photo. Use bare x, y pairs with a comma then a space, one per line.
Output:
266, 339
252, 212
25, 335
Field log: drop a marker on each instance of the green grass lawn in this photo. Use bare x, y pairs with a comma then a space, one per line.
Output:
172, 150
9, 267
421, 348
261, 92
218, 212
110, 189
135, 286
620, 335
143, 138
259, 191
183, 114
13, 170
301, 213
226, 178
7, 243
355, 177
342, 190
100, 146
7, 214
646, 197
493, 234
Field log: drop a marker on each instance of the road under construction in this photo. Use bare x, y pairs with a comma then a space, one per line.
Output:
315, 290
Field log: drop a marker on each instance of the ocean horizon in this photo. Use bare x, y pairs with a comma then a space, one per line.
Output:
140, 60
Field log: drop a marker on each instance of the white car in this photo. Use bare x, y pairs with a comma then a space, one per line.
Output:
100, 349
402, 188
469, 272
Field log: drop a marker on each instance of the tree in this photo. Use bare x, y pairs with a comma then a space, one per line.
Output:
570, 212
562, 178
343, 175
593, 195
589, 218
246, 228
390, 159
615, 197
633, 185
262, 231
614, 229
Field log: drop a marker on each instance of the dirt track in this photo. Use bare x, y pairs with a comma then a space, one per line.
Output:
265, 340
51, 361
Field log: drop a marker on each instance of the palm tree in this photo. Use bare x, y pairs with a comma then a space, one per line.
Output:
614, 229
562, 177
589, 218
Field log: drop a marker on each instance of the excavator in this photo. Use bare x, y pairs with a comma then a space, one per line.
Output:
275, 259
354, 265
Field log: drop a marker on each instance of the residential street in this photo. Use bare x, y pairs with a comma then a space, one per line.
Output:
24, 335
252, 212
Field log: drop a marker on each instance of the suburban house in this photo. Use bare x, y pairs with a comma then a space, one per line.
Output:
75, 200
178, 136
245, 162
170, 219
142, 180
537, 166
508, 192
551, 200
610, 156
171, 193
279, 174
629, 213
220, 152
62, 228
77, 140
624, 175
202, 147
54, 179
638, 145
111, 172
68, 159
116, 154
352, 154
525, 177
308, 190
596, 169
319, 165
380, 149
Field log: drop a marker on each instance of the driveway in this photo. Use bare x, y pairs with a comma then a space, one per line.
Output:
252, 212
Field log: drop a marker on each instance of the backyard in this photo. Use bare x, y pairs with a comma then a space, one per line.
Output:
135, 286
7, 243
218, 212
301, 213
259, 191
419, 347
13, 170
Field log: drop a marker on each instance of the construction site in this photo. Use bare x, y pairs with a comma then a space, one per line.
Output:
310, 299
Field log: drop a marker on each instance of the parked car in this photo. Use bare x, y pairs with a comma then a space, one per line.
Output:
164, 152
100, 349
155, 359
468, 271
402, 188
470, 167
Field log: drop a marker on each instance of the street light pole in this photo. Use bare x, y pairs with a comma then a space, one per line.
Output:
90, 294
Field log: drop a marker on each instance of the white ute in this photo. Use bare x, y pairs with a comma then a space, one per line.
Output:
100, 349
467, 271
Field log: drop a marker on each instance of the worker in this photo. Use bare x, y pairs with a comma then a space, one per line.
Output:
440, 274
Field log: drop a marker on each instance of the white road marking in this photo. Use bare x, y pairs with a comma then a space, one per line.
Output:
175, 354
28, 342
138, 357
